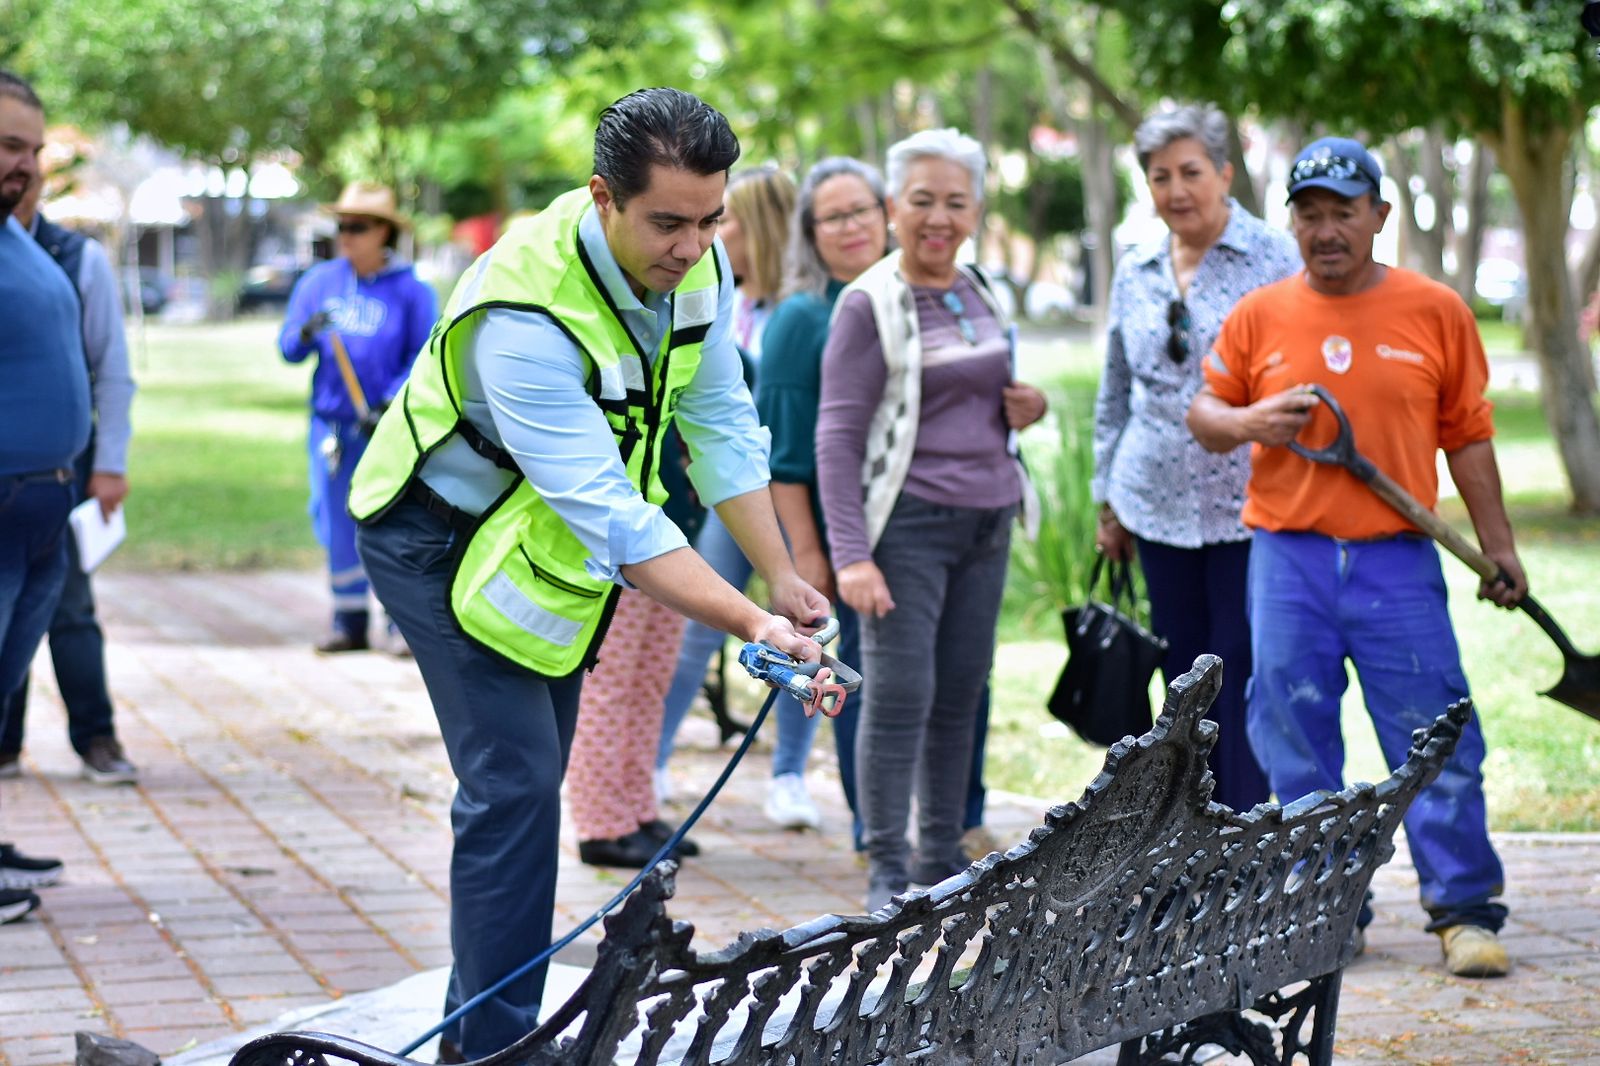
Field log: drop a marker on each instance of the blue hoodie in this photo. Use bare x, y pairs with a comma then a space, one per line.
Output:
383, 319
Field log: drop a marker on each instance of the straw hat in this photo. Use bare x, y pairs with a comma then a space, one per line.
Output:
370, 199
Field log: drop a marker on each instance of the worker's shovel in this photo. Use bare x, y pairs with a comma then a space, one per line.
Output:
1579, 685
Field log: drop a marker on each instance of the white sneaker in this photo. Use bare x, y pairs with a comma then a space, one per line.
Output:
662, 782
789, 804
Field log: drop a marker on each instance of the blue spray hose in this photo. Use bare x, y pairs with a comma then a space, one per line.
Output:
666, 849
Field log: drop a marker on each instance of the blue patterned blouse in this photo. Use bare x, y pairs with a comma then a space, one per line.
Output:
1162, 485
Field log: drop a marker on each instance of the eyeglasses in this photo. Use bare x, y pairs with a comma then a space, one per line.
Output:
355, 228
838, 223
1337, 167
953, 304
1178, 323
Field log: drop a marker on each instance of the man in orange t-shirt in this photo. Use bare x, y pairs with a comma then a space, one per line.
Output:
1335, 573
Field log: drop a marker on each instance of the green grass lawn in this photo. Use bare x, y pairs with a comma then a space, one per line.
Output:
218, 470
218, 463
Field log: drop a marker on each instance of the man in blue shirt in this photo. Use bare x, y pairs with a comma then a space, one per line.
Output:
44, 424
558, 367
77, 645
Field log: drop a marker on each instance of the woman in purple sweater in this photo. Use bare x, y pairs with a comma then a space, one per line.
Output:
919, 479
371, 302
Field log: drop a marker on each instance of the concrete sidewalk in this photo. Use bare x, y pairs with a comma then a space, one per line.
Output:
289, 841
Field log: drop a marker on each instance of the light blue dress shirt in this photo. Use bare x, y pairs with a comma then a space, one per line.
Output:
524, 386
1162, 485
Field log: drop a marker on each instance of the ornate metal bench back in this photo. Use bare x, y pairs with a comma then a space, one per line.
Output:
1138, 908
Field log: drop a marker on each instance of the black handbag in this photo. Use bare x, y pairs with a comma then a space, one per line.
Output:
1103, 694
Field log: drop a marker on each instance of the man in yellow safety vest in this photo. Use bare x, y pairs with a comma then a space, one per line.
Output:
511, 490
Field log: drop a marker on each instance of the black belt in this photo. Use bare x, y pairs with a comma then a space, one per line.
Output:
440, 507
61, 475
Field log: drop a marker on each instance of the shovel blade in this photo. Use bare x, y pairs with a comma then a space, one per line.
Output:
1579, 686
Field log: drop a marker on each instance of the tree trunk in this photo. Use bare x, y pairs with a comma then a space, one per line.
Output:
1100, 205
1535, 162
1439, 182
1243, 188
1411, 239
1469, 243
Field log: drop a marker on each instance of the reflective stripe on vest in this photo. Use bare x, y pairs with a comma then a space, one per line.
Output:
521, 586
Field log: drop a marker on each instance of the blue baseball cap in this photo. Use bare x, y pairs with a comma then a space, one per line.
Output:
1338, 164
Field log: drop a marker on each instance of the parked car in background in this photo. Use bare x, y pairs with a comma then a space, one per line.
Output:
267, 286
149, 286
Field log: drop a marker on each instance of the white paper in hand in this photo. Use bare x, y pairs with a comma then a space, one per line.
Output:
96, 535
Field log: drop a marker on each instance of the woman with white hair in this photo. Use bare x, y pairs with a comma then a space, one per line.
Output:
1160, 492
919, 479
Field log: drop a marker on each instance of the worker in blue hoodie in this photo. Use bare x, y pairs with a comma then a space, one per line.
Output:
365, 316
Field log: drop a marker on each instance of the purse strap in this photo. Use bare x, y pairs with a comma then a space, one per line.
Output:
1121, 578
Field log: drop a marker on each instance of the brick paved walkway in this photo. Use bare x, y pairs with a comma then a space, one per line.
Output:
288, 843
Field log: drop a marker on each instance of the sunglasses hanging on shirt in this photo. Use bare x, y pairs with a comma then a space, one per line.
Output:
953, 304
1178, 324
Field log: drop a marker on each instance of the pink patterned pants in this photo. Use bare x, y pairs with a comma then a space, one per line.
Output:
609, 788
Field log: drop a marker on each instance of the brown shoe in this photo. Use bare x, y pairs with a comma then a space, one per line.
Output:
336, 643
1473, 951
105, 764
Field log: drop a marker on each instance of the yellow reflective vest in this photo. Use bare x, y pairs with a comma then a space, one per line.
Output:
520, 586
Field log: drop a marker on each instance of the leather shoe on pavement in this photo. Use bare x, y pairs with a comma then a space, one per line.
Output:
659, 831
633, 851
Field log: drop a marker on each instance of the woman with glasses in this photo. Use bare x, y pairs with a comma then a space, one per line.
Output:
838, 230
1162, 496
919, 479
364, 315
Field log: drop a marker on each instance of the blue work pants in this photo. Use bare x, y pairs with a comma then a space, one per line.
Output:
1315, 602
507, 732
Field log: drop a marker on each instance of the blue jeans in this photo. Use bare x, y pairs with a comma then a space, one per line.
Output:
1315, 602
33, 563
507, 732
723, 554
77, 648
1197, 602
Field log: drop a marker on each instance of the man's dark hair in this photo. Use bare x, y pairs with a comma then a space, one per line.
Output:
665, 127
17, 89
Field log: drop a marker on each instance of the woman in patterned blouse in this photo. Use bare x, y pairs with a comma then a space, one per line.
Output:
1161, 494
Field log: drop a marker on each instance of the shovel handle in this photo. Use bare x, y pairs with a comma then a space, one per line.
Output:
1482, 565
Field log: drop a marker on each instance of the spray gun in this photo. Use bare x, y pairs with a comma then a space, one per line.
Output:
767, 664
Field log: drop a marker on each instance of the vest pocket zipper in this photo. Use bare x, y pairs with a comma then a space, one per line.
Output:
549, 578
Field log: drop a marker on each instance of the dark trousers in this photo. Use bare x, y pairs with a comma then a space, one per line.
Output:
33, 560
77, 647
1197, 602
507, 732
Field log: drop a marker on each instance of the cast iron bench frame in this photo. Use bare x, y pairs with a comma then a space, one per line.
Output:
1142, 915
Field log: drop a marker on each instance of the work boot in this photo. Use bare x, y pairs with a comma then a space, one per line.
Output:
349, 634
1473, 951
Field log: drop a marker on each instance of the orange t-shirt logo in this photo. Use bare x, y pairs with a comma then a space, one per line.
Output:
1337, 353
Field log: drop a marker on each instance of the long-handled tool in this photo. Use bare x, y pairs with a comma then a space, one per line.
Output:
1579, 685
347, 370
